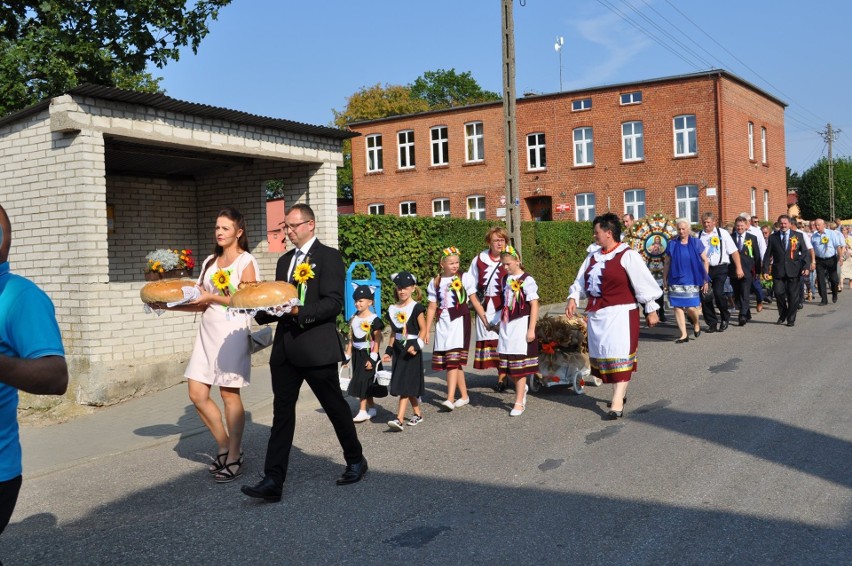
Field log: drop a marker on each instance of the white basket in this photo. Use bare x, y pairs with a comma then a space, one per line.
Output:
344, 380
383, 377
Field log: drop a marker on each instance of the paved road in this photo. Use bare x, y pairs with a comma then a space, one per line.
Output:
736, 449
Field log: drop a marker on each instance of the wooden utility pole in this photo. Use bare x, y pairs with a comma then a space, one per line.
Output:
513, 197
829, 134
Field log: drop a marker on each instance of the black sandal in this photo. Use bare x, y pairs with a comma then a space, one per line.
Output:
226, 475
218, 463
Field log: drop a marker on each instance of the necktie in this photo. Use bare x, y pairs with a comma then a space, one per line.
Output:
784, 239
297, 258
740, 242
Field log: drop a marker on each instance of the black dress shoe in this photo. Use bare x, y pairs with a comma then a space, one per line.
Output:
353, 473
267, 489
823, 303
614, 415
780, 320
681, 340
723, 326
697, 333
791, 323
834, 298
710, 329
742, 321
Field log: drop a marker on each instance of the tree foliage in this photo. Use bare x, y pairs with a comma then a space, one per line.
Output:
50, 46
814, 193
448, 89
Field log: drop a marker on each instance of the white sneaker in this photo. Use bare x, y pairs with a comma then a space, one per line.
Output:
449, 405
517, 412
361, 417
461, 402
372, 412
395, 424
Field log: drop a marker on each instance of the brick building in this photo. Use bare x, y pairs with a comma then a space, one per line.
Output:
680, 145
95, 179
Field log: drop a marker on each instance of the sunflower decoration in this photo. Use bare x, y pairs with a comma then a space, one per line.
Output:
824, 240
515, 286
365, 327
458, 288
401, 318
222, 281
714, 241
747, 244
301, 274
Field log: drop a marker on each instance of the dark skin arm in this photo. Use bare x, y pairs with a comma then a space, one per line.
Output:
41, 376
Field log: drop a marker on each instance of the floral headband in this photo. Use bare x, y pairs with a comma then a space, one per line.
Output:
510, 250
447, 252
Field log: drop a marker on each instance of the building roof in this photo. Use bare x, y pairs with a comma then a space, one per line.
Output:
163, 102
580, 92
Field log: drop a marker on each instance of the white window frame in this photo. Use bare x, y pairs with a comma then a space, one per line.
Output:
753, 201
441, 208
635, 205
632, 142
687, 205
765, 204
375, 157
376, 208
536, 151
474, 142
476, 207
685, 133
440, 145
627, 98
405, 147
586, 210
751, 141
408, 205
581, 104
584, 151
763, 145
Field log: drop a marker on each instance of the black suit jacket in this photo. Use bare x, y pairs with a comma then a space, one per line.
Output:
783, 266
311, 338
749, 257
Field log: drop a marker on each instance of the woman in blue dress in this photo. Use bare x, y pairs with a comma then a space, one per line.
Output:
685, 278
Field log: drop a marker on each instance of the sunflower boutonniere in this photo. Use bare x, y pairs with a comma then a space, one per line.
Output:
714, 241
824, 240
365, 327
515, 286
301, 274
747, 244
458, 288
222, 281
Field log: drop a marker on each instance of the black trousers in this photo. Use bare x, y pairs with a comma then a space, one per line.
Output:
787, 291
323, 380
826, 268
718, 274
9, 490
742, 293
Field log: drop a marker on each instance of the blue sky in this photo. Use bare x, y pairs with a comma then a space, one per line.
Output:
298, 60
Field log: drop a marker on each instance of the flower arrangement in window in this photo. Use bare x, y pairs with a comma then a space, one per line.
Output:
165, 260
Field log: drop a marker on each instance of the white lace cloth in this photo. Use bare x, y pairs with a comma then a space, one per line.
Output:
189, 294
277, 310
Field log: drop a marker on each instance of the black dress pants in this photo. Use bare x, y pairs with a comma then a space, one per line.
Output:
742, 293
826, 268
787, 291
718, 274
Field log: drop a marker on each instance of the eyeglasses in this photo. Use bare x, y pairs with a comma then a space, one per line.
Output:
294, 226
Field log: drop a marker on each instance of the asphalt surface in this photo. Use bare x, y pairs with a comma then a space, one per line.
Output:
735, 449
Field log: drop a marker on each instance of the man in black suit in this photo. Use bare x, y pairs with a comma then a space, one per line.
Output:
306, 348
749, 250
788, 256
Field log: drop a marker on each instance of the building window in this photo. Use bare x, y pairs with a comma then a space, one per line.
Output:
583, 150
374, 153
376, 208
406, 149
585, 205
684, 135
440, 146
766, 205
753, 201
536, 156
441, 207
474, 142
408, 208
476, 207
634, 202
632, 142
763, 145
631, 97
582, 104
686, 198
750, 140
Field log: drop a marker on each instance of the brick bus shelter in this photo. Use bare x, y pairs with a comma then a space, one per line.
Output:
95, 179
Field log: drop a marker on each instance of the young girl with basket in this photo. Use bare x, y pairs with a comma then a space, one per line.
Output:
448, 295
517, 345
365, 337
408, 333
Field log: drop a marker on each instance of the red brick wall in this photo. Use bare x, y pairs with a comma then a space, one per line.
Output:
659, 173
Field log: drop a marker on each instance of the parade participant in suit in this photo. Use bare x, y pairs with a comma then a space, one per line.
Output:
786, 260
721, 252
306, 348
829, 248
749, 250
755, 230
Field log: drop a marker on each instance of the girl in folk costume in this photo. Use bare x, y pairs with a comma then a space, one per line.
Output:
487, 270
365, 337
517, 345
408, 335
614, 278
448, 295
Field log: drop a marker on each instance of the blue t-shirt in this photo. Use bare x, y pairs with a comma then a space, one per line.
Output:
28, 329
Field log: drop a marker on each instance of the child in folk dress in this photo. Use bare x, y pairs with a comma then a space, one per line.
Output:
408, 334
365, 337
448, 295
517, 345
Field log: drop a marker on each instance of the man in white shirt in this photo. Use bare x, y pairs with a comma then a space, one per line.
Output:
721, 251
756, 287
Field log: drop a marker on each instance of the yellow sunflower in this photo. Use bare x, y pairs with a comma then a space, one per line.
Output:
515, 285
221, 280
824, 239
456, 284
302, 273
365, 326
714, 241
401, 318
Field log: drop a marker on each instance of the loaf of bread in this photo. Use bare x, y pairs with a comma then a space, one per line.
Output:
263, 294
165, 290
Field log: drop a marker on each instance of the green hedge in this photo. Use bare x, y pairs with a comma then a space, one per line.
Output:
552, 251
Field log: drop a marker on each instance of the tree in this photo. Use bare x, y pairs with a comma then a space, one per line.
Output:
813, 189
50, 46
793, 179
447, 89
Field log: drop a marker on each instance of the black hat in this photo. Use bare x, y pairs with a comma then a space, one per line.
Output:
403, 279
362, 292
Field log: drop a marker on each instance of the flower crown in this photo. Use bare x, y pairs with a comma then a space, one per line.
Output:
510, 250
447, 252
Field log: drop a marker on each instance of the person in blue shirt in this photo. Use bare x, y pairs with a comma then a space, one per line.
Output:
829, 247
32, 359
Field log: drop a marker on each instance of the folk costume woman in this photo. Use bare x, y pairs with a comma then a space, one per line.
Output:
487, 270
613, 279
365, 337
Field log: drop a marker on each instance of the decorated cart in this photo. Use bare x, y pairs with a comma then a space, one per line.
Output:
563, 357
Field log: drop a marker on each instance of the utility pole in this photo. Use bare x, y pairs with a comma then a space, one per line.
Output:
513, 198
829, 135
560, 41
